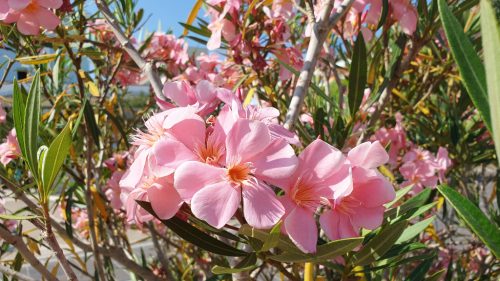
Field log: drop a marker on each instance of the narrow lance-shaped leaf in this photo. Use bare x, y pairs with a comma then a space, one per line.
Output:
490, 30
18, 108
32, 119
194, 235
54, 158
468, 62
246, 264
380, 244
474, 218
357, 75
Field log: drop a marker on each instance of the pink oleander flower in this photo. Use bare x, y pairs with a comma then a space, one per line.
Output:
30, 15
395, 138
291, 56
9, 150
234, 110
168, 50
180, 125
363, 207
442, 163
113, 190
208, 63
3, 114
118, 161
160, 192
80, 221
252, 160
419, 174
322, 170
203, 98
220, 28
280, 9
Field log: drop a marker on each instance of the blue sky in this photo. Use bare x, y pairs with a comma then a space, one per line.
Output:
169, 12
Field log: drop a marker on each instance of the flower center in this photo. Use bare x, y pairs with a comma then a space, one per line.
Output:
32, 7
239, 173
209, 153
305, 195
347, 205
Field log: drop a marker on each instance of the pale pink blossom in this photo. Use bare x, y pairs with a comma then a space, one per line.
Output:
113, 190
292, 57
174, 125
160, 192
203, 99
30, 15
442, 163
234, 110
252, 159
169, 51
9, 150
363, 206
80, 221
395, 138
321, 170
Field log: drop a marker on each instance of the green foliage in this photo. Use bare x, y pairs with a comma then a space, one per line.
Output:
469, 63
474, 218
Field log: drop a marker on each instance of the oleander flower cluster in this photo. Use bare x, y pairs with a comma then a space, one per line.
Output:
31, 15
239, 163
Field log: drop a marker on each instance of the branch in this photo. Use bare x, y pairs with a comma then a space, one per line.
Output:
18, 243
115, 253
146, 67
321, 29
14, 274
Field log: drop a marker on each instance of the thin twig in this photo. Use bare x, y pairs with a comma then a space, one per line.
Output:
14, 274
6, 73
159, 251
321, 29
19, 244
147, 68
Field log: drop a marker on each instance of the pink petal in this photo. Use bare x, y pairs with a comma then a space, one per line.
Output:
186, 126
246, 139
301, 228
177, 91
276, 164
216, 203
261, 208
215, 39
369, 218
374, 192
368, 155
192, 176
134, 174
329, 222
169, 154
51, 4
322, 159
47, 19
27, 25
165, 200
18, 4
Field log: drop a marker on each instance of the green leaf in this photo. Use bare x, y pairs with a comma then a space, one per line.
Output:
247, 264
414, 230
380, 244
418, 274
54, 158
195, 236
273, 238
436, 276
399, 194
32, 119
412, 203
284, 243
471, 68
19, 108
357, 75
490, 30
17, 217
474, 218
324, 252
